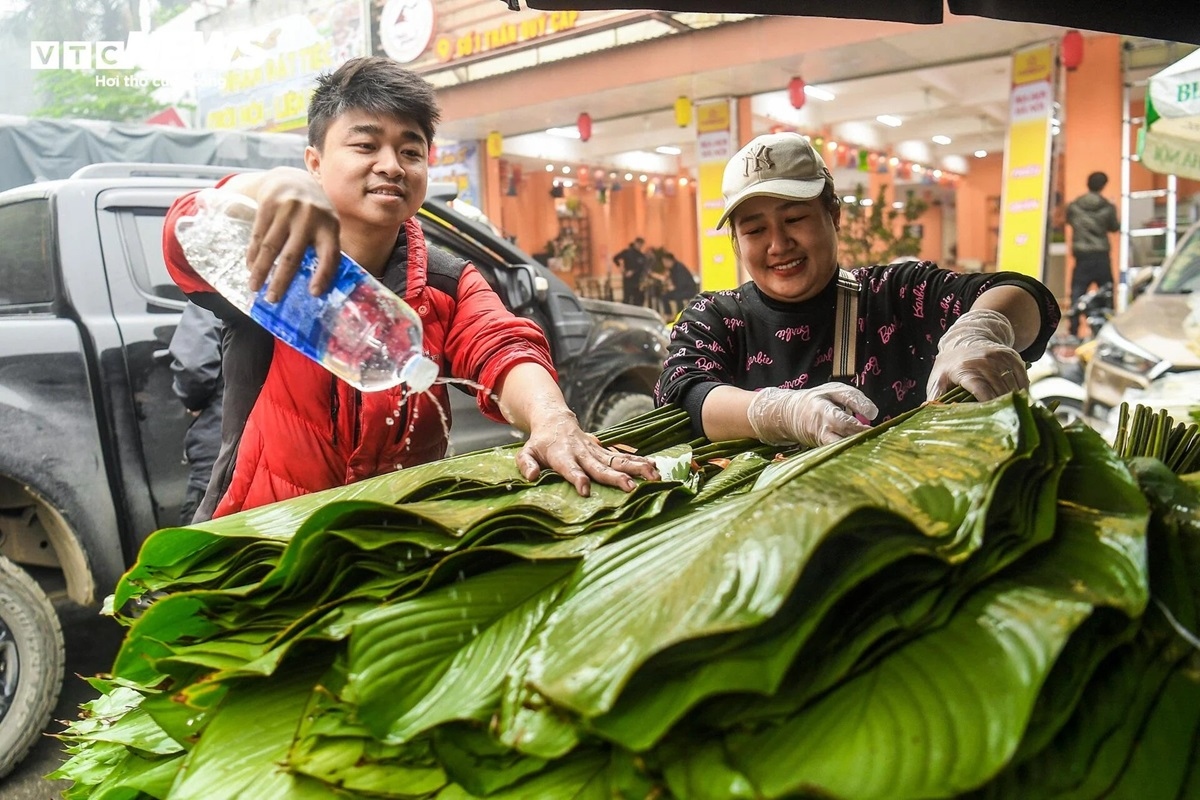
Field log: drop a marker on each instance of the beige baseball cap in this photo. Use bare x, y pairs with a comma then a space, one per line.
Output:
783, 165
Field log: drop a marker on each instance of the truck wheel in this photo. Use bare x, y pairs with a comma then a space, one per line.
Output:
619, 407
31, 663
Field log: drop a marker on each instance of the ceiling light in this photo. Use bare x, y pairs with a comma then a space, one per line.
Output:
628, 176
850, 199
897, 205
566, 170
895, 162
937, 173
817, 93
643, 178
981, 153
867, 202
549, 168
668, 150
566, 133
889, 120
568, 183
940, 139
683, 181
917, 168
831, 146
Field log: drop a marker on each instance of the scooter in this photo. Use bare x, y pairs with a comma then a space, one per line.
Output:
1050, 385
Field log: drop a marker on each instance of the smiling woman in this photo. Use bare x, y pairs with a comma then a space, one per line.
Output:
806, 352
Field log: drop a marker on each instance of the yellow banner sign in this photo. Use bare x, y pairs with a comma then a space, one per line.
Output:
718, 266
1026, 186
474, 42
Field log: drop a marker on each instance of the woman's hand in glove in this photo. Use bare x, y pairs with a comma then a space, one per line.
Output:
811, 417
977, 353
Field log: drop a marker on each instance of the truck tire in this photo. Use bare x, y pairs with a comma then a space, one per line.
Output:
619, 407
31, 663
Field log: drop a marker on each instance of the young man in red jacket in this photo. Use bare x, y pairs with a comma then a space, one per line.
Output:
290, 426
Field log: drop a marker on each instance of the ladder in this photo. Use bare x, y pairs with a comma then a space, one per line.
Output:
1145, 59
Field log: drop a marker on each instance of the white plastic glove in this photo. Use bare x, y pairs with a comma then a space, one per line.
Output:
809, 417
977, 353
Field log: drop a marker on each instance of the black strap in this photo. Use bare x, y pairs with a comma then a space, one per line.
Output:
845, 326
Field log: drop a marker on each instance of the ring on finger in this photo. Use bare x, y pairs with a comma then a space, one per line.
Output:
612, 458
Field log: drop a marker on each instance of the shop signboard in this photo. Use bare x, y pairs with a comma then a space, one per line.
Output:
458, 163
267, 73
715, 144
1025, 191
428, 36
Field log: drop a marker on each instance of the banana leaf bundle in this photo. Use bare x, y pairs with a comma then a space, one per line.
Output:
968, 601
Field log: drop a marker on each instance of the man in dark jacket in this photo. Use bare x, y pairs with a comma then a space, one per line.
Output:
1091, 217
633, 263
196, 363
683, 284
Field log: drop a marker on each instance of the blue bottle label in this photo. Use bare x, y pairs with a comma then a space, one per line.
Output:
298, 319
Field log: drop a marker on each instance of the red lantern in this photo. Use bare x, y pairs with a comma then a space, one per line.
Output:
796, 92
1072, 49
584, 124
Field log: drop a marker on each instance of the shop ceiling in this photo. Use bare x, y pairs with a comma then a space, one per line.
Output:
951, 82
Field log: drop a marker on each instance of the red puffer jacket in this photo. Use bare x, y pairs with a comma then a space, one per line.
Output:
306, 430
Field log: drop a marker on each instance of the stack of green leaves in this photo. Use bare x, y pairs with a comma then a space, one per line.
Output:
966, 600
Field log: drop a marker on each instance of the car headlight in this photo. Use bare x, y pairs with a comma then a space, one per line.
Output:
1112, 348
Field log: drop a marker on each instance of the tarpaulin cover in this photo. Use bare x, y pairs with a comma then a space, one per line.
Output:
47, 149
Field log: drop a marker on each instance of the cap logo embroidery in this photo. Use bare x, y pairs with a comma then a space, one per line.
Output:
758, 160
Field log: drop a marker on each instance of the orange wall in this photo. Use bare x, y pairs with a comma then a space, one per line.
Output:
975, 214
1092, 127
666, 219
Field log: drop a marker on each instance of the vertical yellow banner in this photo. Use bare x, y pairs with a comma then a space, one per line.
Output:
1027, 162
714, 139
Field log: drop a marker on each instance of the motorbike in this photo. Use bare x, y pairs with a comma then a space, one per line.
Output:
1056, 381
1095, 308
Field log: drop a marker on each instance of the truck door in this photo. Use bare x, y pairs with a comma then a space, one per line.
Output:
146, 304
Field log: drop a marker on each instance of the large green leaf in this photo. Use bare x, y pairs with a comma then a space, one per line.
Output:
939, 716
240, 753
735, 562
444, 654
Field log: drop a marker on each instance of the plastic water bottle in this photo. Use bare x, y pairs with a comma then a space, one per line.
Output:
358, 330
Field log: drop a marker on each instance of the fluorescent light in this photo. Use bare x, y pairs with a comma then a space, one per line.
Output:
889, 120
817, 93
667, 150
867, 202
897, 205
566, 133
981, 153
940, 139
850, 199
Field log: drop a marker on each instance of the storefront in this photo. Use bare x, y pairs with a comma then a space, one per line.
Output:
577, 132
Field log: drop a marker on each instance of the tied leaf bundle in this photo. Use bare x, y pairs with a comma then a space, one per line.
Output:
965, 601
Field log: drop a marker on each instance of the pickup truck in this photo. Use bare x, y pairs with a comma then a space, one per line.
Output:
91, 433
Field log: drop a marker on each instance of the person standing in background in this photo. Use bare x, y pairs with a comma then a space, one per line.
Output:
682, 282
196, 364
633, 263
1091, 217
